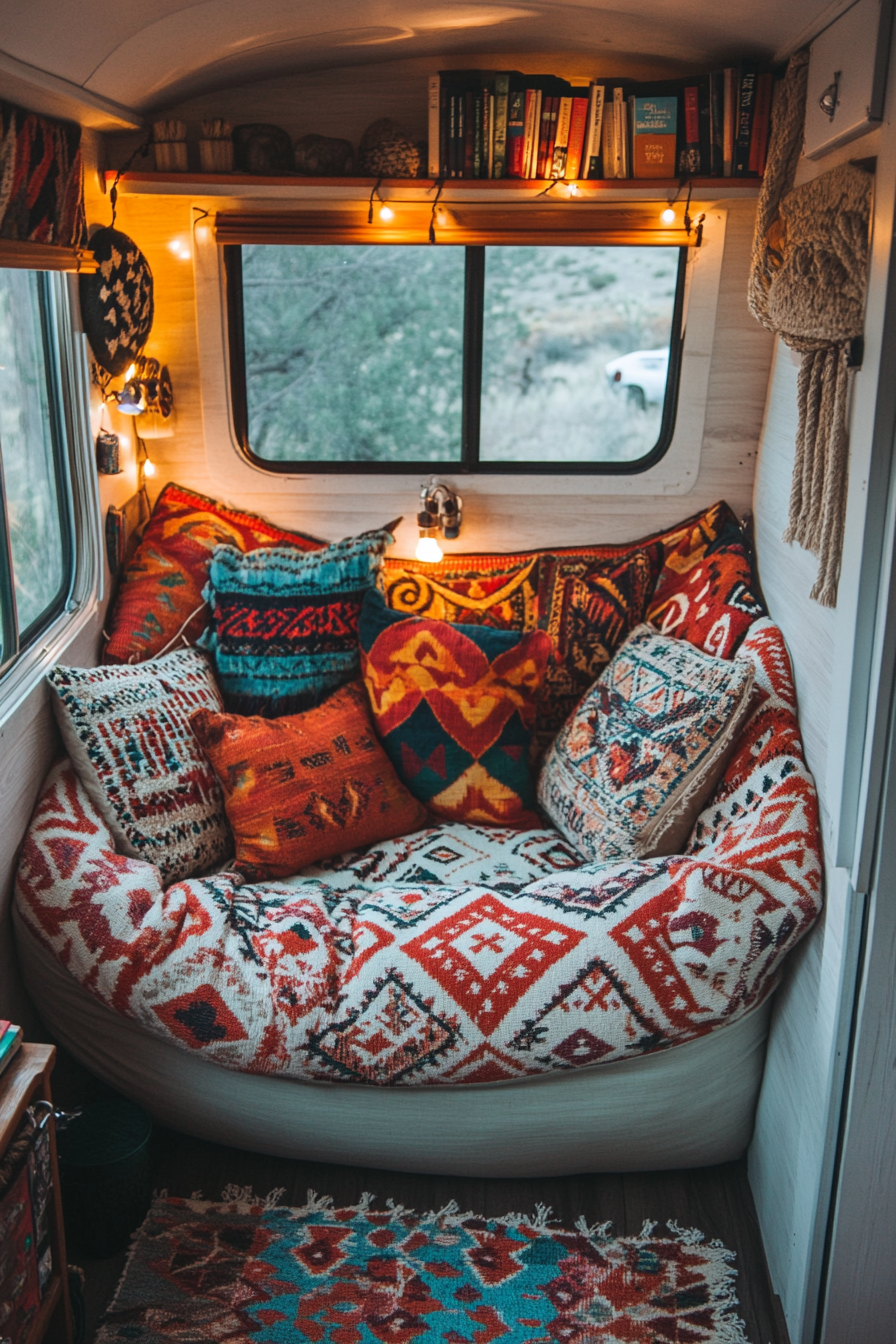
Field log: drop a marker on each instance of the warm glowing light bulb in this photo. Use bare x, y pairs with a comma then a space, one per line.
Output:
149, 468
386, 213
668, 215
573, 189
132, 369
429, 550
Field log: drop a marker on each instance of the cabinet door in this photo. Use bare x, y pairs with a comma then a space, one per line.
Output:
850, 59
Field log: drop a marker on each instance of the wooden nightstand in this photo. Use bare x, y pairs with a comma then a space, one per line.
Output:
27, 1079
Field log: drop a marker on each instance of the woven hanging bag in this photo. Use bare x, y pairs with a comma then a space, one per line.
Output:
807, 284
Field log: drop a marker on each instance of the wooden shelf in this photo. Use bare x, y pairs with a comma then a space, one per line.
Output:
241, 185
17, 1086
25, 1080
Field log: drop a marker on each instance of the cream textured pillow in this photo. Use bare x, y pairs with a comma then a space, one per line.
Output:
127, 731
633, 766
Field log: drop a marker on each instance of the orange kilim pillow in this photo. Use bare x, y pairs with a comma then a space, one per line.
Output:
160, 597
303, 787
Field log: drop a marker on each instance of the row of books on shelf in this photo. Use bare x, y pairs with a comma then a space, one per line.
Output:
10, 1040
494, 124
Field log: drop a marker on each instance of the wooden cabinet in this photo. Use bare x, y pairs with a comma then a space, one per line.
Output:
27, 1080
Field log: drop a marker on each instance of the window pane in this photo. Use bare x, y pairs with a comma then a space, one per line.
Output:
575, 352
354, 354
28, 450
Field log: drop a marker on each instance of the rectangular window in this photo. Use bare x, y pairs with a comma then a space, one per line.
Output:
491, 358
36, 550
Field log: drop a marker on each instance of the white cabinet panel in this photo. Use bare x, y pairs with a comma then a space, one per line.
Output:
848, 71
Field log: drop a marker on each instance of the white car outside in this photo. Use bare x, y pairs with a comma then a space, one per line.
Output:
643, 374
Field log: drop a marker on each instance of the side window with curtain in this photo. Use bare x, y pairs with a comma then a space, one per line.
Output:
36, 556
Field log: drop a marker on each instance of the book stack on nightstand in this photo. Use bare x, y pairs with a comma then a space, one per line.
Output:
34, 1303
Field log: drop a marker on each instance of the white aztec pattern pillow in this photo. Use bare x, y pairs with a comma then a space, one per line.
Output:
634, 764
127, 731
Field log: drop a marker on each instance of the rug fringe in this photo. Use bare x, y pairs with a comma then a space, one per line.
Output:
594, 1231
688, 1236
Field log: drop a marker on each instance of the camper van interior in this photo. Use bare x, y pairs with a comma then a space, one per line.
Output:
447, 641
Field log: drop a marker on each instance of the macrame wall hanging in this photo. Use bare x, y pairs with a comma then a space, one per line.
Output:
807, 284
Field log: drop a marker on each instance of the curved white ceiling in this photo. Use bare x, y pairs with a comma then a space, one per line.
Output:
144, 54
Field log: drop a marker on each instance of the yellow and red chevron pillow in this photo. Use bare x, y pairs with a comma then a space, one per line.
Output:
454, 706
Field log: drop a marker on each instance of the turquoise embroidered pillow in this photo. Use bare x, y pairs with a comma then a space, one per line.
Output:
632, 767
284, 623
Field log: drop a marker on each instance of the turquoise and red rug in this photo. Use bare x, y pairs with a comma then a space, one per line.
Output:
247, 1271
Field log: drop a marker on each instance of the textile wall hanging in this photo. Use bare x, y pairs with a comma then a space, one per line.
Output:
807, 284
41, 179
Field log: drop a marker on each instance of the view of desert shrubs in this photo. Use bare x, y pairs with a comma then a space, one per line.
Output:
355, 353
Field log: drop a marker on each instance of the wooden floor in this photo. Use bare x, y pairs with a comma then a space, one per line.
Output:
717, 1200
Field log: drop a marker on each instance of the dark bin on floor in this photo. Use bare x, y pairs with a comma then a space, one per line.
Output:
104, 1174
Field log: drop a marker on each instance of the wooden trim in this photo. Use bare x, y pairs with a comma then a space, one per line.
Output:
45, 257
471, 223
242, 184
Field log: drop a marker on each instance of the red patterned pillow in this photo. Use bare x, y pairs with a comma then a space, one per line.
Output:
305, 786
706, 591
160, 596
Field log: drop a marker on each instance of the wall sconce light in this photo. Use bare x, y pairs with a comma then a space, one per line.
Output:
147, 387
441, 511
130, 400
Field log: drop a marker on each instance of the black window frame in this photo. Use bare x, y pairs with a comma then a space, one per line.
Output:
11, 638
468, 462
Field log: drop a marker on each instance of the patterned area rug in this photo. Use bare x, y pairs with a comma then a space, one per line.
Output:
248, 1272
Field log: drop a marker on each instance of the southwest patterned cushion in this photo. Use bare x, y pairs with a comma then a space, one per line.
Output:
706, 593
588, 605
694, 580
300, 788
127, 730
454, 706
412, 983
630, 771
160, 599
284, 626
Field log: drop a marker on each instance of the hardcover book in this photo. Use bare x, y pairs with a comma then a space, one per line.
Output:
516, 128
546, 134
761, 123
576, 166
593, 156
435, 126
689, 159
730, 85
746, 106
654, 134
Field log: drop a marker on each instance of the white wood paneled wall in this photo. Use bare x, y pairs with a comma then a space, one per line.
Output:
792, 1158
539, 511
792, 1150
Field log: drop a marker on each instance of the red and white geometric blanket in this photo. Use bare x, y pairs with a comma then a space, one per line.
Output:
411, 982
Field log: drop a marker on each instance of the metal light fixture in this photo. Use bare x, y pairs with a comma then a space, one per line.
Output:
130, 400
440, 511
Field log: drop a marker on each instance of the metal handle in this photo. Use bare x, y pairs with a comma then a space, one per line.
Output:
831, 97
